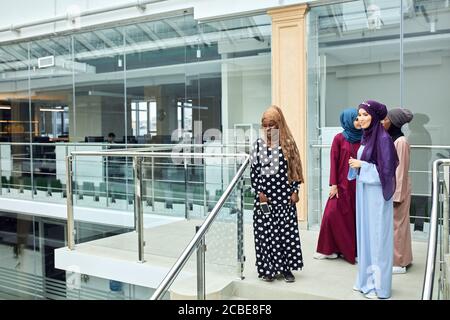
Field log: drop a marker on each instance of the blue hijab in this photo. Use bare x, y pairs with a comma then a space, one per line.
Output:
351, 134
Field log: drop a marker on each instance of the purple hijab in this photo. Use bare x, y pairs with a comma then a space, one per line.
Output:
379, 148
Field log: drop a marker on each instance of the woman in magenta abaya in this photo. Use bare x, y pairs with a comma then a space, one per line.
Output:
337, 231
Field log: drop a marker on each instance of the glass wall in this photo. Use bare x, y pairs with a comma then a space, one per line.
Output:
425, 91
27, 269
149, 82
356, 51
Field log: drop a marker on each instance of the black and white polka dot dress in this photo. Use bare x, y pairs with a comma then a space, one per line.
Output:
277, 239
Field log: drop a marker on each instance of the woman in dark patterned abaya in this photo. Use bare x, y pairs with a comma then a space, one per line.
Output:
276, 175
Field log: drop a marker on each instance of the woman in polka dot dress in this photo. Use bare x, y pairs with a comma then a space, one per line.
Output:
276, 174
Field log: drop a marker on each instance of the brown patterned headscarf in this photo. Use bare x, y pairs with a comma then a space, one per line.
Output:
287, 143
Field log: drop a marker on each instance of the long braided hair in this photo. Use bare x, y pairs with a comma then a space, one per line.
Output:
288, 145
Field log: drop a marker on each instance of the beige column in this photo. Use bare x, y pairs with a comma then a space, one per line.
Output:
289, 80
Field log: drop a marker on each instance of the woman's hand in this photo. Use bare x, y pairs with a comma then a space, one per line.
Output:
333, 192
294, 198
354, 163
263, 198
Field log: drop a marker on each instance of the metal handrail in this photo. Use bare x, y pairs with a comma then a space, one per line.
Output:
413, 146
182, 148
428, 282
114, 153
179, 264
129, 145
171, 145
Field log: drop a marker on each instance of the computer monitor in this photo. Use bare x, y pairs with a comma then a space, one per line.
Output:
162, 139
94, 139
41, 139
130, 139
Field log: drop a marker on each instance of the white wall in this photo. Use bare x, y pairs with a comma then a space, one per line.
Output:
257, 95
112, 114
232, 96
88, 116
247, 91
427, 95
426, 92
343, 92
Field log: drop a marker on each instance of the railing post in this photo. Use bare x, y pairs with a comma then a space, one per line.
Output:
205, 204
201, 283
186, 205
69, 190
153, 183
1, 173
138, 212
445, 234
240, 230
222, 174
107, 180
32, 170
126, 182
445, 224
66, 153
428, 282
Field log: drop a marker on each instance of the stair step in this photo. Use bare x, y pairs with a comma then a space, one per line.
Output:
277, 290
237, 298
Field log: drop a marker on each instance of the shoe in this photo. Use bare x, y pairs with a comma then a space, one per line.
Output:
320, 256
288, 276
267, 278
371, 295
398, 270
279, 276
355, 288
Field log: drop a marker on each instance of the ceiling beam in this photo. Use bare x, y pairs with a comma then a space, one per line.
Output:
255, 30
108, 42
20, 58
177, 30
85, 42
225, 31
152, 35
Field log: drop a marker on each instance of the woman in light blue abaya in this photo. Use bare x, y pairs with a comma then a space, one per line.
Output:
374, 171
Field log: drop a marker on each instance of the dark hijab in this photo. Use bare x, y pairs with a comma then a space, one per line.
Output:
398, 117
379, 148
395, 132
